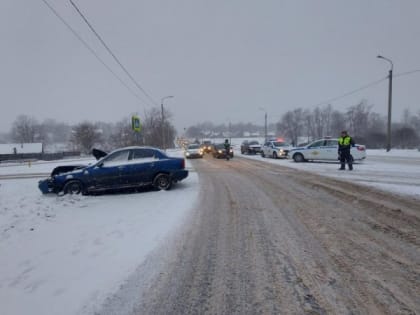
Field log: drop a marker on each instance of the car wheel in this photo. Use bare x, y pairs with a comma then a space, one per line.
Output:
162, 182
274, 155
73, 187
262, 154
298, 158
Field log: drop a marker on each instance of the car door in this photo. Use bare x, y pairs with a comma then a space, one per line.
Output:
315, 150
265, 148
331, 150
107, 173
142, 166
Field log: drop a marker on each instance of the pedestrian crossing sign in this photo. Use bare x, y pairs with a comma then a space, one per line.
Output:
135, 123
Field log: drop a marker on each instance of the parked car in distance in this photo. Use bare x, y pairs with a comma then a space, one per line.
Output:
193, 151
325, 150
250, 147
275, 149
125, 168
218, 151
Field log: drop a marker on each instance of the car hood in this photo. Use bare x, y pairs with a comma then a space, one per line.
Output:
98, 154
67, 169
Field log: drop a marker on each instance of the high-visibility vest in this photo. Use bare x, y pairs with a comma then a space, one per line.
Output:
344, 141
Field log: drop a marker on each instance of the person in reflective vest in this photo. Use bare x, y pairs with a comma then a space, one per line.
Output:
345, 142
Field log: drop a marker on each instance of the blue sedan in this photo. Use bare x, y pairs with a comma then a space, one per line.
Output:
130, 167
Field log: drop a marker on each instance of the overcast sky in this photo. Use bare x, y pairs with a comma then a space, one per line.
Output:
222, 60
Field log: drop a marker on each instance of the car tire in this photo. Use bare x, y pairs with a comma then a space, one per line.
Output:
298, 157
274, 155
73, 187
262, 154
162, 182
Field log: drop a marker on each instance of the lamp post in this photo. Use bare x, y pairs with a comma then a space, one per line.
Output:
388, 137
163, 120
265, 123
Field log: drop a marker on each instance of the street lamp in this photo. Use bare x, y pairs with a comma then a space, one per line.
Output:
388, 138
265, 123
163, 120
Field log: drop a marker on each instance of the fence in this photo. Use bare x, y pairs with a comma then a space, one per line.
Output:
38, 156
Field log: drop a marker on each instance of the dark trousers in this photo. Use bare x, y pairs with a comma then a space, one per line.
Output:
345, 157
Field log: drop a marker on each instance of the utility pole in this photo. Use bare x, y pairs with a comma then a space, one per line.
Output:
163, 121
162, 126
388, 140
388, 137
265, 123
265, 126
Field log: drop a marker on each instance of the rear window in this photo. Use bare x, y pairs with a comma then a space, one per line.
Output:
142, 154
281, 144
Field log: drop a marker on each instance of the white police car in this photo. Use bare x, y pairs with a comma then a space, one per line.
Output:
275, 149
325, 150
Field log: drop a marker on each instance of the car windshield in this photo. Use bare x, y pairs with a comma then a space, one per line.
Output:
193, 146
253, 142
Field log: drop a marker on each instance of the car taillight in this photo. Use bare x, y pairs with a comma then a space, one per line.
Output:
360, 148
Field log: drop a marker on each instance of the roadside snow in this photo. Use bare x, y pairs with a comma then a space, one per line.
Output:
397, 171
65, 255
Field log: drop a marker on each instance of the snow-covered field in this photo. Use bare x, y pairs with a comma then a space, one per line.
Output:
65, 255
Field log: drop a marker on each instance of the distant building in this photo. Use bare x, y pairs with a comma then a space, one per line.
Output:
21, 148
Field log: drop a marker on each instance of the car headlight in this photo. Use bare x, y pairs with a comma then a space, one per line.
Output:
220, 151
187, 154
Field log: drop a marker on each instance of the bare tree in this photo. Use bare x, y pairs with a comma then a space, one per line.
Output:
57, 132
291, 124
358, 118
123, 135
338, 122
24, 129
415, 121
405, 137
153, 127
85, 136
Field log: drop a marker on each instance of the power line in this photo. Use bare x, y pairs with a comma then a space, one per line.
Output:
91, 50
365, 87
353, 91
111, 53
405, 73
